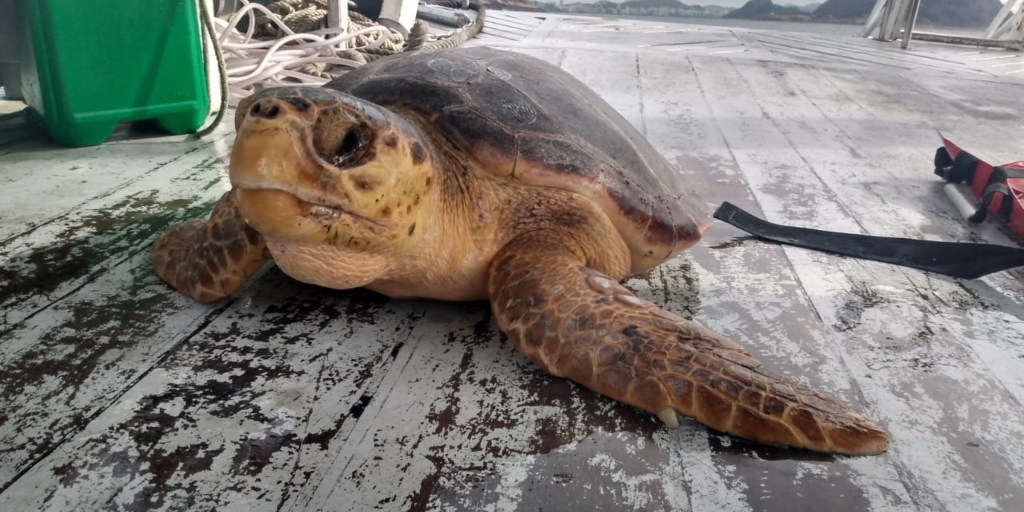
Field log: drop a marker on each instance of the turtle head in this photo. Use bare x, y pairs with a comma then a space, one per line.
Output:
314, 167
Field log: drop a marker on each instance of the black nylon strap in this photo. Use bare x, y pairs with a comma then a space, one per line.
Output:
986, 199
1005, 173
997, 183
1006, 207
963, 260
942, 160
963, 168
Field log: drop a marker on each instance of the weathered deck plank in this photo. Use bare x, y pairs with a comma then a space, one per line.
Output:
899, 348
254, 392
757, 299
82, 315
112, 220
477, 420
885, 123
13, 131
120, 394
873, 52
512, 26
898, 174
750, 293
41, 185
66, 365
502, 33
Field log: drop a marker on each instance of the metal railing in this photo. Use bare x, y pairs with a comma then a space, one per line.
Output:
895, 19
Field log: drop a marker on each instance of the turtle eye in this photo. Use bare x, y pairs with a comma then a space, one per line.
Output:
349, 149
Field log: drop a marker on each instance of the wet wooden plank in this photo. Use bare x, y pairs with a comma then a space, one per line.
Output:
517, 19
950, 418
982, 113
893, 127
894, 137
903, 199
799, 51
230, 416
83, 314
453, 378
985, 61
624, 35
43, 181
476, 425
511, 24
756, 297
62, 367
876, 53
759, 51
67, 249
301, 398
630, 35
511, 35
515, 34
14, 130
459, 405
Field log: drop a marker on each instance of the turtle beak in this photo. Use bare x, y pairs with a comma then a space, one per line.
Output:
285, 190
274, 176
273, 150
242, 108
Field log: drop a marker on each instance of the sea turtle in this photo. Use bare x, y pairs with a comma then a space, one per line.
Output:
482, 174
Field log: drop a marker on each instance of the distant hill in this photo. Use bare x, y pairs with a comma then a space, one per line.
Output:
640, 4
716, 10
941, 13
766, 10
848, 9
809, 8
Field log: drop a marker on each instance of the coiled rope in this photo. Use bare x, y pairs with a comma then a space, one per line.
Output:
288, 43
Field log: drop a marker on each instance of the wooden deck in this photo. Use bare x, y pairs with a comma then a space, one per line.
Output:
119, 394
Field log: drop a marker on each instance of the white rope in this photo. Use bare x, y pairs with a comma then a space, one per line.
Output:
250, 62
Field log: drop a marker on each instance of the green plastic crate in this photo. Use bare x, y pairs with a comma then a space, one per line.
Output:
88, 65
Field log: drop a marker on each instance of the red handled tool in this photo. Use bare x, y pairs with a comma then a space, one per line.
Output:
998, 189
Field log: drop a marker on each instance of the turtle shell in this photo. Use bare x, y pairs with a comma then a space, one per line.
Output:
519, 117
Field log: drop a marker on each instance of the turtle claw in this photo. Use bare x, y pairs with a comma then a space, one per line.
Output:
668, 417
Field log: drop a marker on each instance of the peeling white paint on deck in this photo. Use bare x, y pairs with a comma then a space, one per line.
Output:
118, 393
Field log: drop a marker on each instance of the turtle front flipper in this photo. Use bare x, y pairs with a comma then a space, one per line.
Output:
209, 260
577, 323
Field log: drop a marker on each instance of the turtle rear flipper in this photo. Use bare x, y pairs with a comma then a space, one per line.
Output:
210, 260
577, 323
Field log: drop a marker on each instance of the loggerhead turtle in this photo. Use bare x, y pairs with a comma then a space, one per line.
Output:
474, 174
